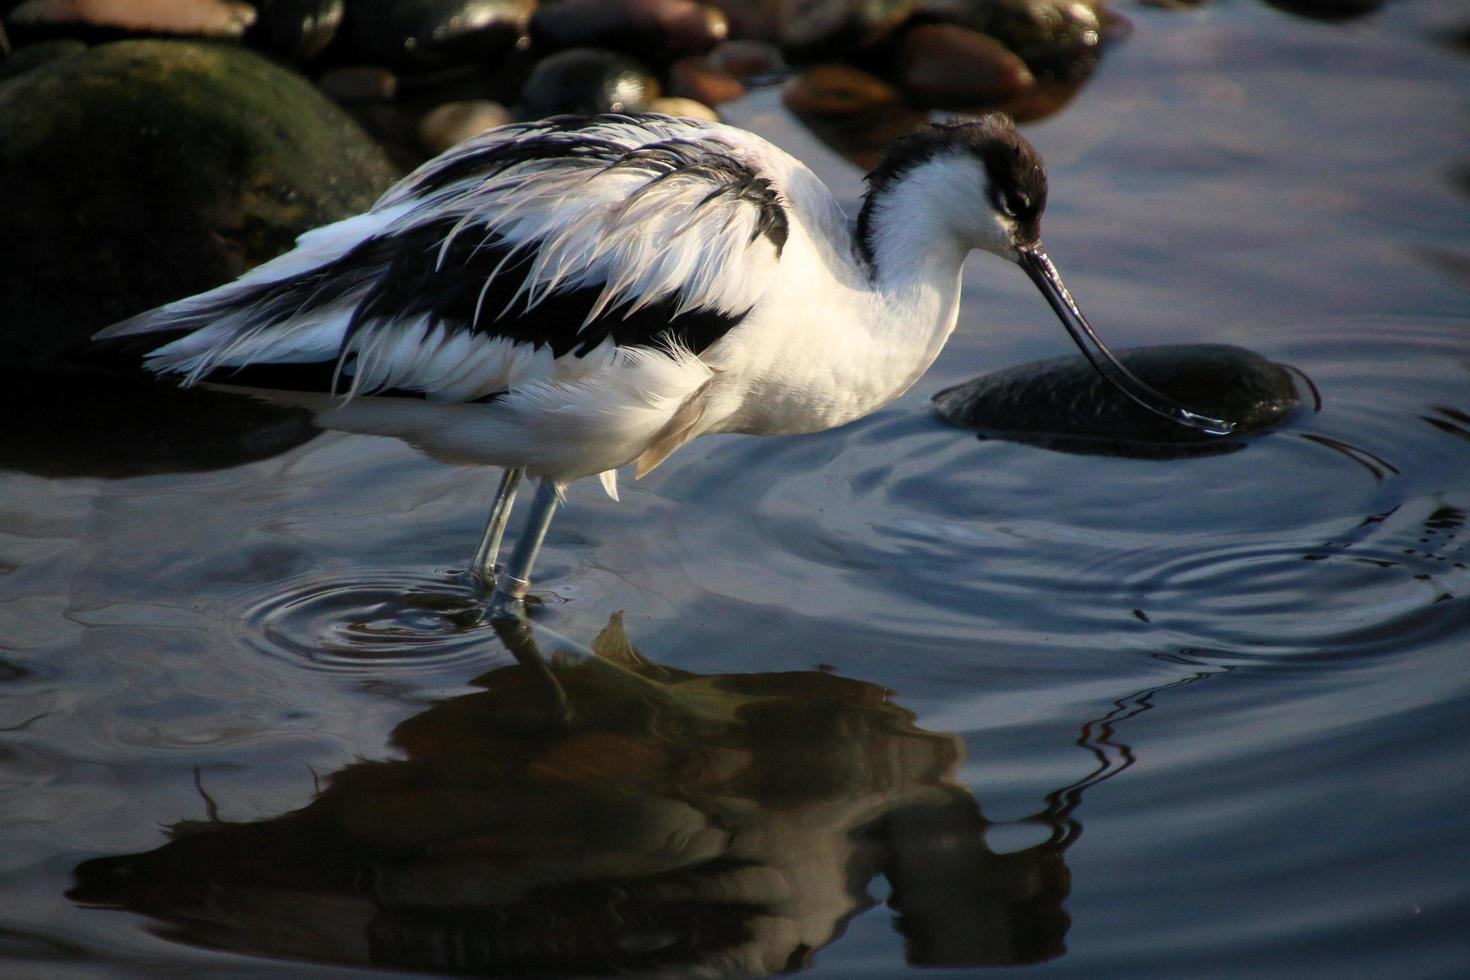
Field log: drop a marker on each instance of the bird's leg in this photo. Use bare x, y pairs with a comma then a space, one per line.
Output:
512, 581
505, 498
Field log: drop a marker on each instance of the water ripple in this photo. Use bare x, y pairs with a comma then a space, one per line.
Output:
369, 623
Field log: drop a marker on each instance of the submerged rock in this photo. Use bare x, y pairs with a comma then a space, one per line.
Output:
1065, 404
584, 81
142, 171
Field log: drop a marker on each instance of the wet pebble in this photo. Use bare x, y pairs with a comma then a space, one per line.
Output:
296, 29
696, 78
359, 83
455, 122
585, 81
202, 18
745, 58
653, 30
808, 30
143, 171
953, 67
1065, 404
424, 35
687, 108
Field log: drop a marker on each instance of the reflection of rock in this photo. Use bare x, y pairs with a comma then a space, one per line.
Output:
143, 171
855, 113
611, 815
122, 424
1065, 404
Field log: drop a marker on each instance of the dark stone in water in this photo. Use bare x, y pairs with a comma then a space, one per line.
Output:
655, 31
583, 81
296, 29
1060, 39
427, 35
1065, 404
143, 171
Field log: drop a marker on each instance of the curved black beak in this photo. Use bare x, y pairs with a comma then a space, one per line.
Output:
1033, 259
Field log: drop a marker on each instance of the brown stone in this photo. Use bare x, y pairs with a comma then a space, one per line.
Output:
948, 66
695, 78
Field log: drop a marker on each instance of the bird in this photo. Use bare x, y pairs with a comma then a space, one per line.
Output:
567, 296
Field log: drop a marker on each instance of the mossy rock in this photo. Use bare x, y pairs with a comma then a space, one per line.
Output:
143, 171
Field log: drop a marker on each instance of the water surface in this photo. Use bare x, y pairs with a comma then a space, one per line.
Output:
911, 698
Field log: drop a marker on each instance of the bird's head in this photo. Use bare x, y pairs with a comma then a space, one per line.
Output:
991, 187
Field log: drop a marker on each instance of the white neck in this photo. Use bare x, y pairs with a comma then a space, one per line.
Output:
914, 262
868, 336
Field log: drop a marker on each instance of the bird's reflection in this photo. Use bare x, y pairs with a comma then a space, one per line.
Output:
601, 813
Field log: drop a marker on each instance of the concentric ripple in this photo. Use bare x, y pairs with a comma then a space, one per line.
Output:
372, 623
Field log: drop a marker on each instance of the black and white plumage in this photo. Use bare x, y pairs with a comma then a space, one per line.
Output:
569, 296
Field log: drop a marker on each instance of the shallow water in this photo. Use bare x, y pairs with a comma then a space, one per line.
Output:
936, 700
